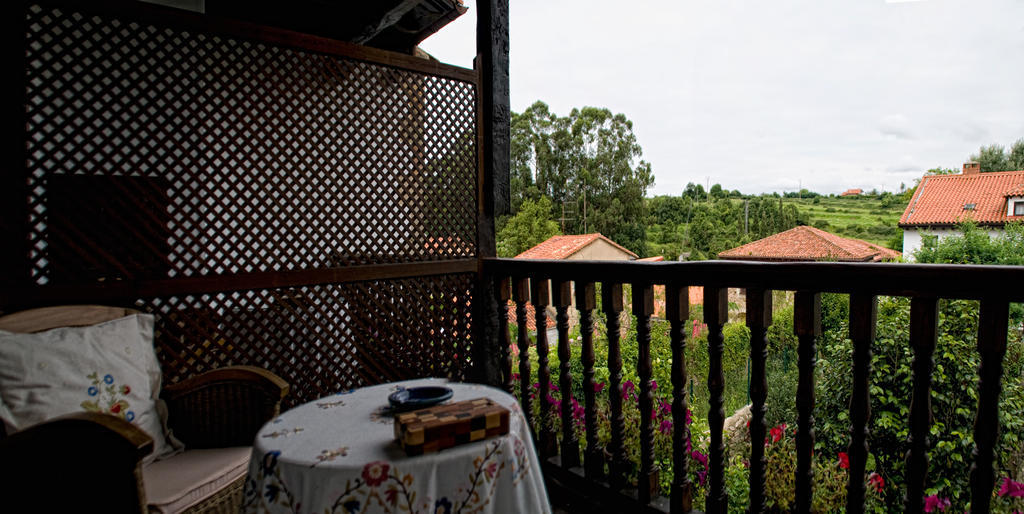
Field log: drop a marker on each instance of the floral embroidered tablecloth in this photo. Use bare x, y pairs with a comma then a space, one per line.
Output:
338, 455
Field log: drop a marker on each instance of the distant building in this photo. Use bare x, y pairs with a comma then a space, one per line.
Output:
810, 244
852, 192
941, 202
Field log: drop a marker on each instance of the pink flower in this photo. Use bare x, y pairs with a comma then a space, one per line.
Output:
776, 433
577, 410
627, 389
1011, 488
665, 407
935, 503
654, 385
844, 460
666, 426
599, 387
491, 469
700, 457
876, 481
375, 473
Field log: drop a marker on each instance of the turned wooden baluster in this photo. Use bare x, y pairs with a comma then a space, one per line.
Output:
759, 318
503, 293
992, 326
643, 308
521, 295
593, 458
863, 315
611, 303
540, 295
923, 332
677, 311
807, 326
570, 447
716, 313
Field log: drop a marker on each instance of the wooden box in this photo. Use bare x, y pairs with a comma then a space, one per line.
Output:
436, 428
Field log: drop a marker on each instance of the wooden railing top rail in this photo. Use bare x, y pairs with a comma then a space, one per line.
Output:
937, 280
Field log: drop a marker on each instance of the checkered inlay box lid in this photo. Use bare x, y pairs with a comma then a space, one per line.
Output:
436, 428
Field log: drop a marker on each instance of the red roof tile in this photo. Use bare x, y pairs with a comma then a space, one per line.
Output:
809, 244
852, 192
940, 199
561, 247
656, 258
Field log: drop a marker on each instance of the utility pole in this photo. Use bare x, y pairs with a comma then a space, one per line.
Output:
746, 215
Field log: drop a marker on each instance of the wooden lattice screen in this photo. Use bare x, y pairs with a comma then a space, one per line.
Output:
278, 200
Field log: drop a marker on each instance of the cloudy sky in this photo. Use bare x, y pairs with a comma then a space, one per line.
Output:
772, 95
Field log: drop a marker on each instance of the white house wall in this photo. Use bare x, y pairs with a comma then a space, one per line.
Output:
912, 237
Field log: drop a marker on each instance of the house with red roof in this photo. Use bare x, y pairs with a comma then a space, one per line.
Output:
583, 247
592, 247
941, 202
805, 243
852, 192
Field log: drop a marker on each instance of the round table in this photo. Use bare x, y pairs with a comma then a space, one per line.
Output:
338, 454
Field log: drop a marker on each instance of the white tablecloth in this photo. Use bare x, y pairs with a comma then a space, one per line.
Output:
338, 454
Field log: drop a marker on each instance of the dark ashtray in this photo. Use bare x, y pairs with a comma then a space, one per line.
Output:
418, 397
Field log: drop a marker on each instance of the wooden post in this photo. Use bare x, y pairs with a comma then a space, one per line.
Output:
759, 318
521, 295
494, 161
504, 293
643, 308
863, 314
611, 303
716, 312
992, 326
570, 448
924, 323
593, 461
807, 325
677, 310
539, 294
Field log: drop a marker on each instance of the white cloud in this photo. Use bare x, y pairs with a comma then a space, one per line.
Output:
768, 95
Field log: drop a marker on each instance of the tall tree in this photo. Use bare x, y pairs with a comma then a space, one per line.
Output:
588, 163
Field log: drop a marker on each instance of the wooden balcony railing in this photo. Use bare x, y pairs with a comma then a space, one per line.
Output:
535, 281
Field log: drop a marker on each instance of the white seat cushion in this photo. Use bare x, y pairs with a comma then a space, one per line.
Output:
183, 480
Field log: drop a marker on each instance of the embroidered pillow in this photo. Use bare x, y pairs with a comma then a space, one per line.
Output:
109, 367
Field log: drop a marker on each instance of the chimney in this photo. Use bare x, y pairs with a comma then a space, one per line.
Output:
972, 168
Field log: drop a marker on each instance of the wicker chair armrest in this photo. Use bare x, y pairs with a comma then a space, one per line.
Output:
224, 407
85, 461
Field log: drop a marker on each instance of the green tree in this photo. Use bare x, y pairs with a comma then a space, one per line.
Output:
530, 226
588, 163
995, 158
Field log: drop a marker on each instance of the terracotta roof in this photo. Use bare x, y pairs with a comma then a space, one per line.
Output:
561, 247
809, 244
852, 192
941, 199
656, 258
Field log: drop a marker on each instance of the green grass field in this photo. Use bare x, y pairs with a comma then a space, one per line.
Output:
867, 218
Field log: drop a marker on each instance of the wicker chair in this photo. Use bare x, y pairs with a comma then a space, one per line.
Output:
93, 462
